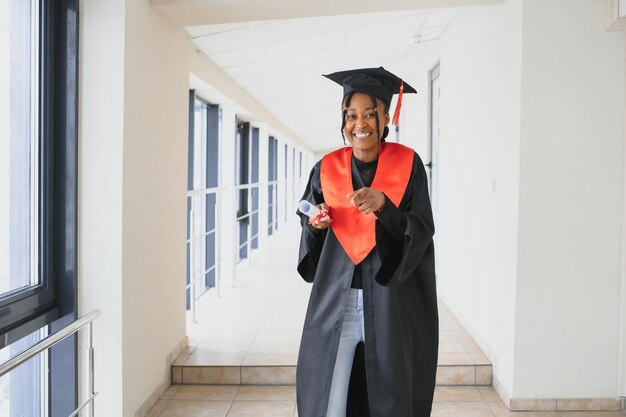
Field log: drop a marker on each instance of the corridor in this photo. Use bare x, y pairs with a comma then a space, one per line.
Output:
152, 153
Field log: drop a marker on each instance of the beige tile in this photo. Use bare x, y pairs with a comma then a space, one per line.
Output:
179, 408
180, 360
207, 392
461, 335
457, 394
188, 349
215, 359
455, 375
268, 375
451, 347
170, 392
455, 359
499, 410
483, 374
581, 404
489, 394
532, 404
224, 375
262, 409
265, 393
460, 409
221, 348
447, 336
456, 327
156, 410
479, 358
459, 332
177, 375
592, 414
471, 347
272, 347
271, 359
222, 337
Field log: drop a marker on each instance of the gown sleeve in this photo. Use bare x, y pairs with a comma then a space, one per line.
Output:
392, 219
312, 239
404, 234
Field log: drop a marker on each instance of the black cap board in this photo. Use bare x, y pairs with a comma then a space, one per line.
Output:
375, 81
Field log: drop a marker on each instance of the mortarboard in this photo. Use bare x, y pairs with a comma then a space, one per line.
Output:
377, 82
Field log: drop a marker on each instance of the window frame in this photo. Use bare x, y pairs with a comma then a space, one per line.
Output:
53, 302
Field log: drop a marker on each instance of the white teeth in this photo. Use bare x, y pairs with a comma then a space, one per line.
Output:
361, 135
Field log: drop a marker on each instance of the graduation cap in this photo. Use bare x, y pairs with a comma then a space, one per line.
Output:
377, 82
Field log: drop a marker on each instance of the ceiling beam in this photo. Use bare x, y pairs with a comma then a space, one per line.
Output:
182, 13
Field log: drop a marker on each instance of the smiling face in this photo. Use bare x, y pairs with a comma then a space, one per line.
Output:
360, 125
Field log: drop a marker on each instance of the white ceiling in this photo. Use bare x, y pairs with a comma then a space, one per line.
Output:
280, 62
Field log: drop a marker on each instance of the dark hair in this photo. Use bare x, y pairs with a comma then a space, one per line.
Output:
344, 111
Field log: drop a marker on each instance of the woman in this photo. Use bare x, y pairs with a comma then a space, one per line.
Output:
370, 337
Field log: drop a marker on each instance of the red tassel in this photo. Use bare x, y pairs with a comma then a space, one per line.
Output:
396, 113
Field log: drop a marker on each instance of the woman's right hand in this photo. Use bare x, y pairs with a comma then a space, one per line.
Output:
324, 222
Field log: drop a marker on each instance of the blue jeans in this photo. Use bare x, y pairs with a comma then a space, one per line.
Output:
352, 332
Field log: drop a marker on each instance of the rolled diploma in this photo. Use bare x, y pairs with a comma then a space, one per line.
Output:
307, 208
310, 210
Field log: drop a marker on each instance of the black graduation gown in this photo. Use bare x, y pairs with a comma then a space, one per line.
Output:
400, 310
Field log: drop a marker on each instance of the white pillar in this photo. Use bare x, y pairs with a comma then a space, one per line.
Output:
100, 191
198, 202
228, 222
263, 189
282, 189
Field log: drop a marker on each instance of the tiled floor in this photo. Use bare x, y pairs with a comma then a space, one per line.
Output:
257, 325
246, 343
279, 401
259, 320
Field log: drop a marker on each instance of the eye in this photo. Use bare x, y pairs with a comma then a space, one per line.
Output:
370, 115
350, 116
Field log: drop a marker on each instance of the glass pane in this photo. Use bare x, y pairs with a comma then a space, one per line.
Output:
22, 390
19, 38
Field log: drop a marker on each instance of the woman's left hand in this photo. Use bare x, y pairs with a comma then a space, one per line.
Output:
367, 199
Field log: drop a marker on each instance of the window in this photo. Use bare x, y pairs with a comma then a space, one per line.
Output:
202, 179
24, 274
242, 177
247, 176
285, 182
21, 390
272, 209
254, 190
38, 120
294, 191
433, 165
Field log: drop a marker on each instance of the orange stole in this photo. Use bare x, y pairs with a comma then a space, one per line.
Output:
357, 231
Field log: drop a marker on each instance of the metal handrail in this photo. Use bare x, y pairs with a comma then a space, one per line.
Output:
219, 192
48, 342
209, 190
53, 339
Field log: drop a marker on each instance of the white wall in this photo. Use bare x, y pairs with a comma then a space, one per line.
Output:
571, 161
622, 330
476, 223
100, 179
530, 200
154, 199
135, 71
